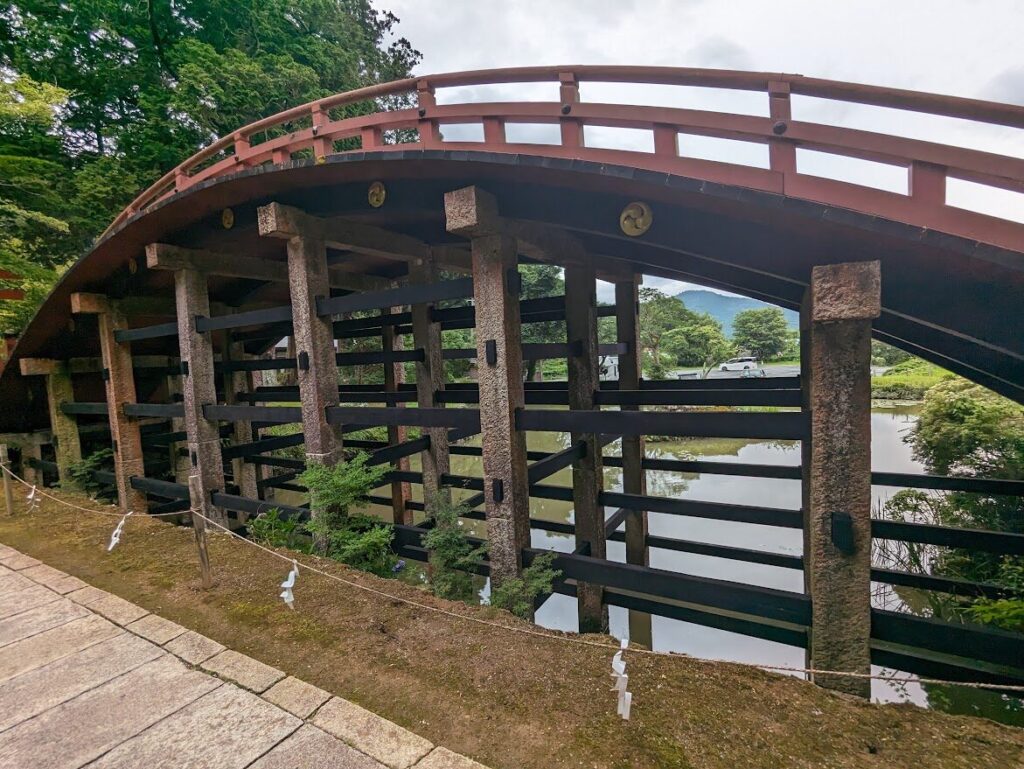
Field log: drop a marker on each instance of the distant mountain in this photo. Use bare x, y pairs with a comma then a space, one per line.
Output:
724, 308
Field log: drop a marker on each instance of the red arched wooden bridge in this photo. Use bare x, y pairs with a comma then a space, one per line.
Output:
326, 221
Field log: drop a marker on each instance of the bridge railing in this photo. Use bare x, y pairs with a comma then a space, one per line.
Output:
328, 126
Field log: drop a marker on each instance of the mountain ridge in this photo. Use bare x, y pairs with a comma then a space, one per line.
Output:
724, 308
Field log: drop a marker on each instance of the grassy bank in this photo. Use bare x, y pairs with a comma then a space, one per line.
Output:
507, 699
907, 381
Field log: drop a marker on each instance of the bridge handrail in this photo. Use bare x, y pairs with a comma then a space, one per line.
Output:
930, 163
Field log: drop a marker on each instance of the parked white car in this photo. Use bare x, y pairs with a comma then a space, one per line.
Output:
740, 364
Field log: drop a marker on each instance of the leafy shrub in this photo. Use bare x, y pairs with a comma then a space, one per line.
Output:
82, 473
452, 556
908, 380
365, 544
270, 529
332, 490
518, 593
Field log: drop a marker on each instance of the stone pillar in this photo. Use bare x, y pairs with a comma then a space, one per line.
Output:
473, 213
634, 477
394, 375
64, 428
120, 385
314, 345
199, 388
430, 380
32, 449
587, 474
843, 300
244, 473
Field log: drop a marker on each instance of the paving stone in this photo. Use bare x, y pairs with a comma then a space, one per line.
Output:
43, 648
243, 670
82, 729
16, 597
118, 610
297, 697
43, 574
39, 690
193, 647
19, 561
49, 615
227, 729
389, 743
67, 585
156, 629
87, 595
442, 758
6, 551
311, 748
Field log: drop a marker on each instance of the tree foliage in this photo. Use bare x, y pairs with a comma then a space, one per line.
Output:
965, 430
673, 335
762, 332
99, 99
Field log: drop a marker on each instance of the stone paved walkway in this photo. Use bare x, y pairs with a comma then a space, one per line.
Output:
89, 679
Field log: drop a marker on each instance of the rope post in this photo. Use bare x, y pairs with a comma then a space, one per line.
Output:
5, 463
199, 528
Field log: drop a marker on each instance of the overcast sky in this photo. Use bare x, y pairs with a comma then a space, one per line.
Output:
965, 48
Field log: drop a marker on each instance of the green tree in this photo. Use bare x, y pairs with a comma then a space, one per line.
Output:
965, 430
659, 315
700, 343
761, 332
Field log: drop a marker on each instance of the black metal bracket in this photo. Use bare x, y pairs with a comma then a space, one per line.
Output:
195, 459
115, 446
106, 375
491, 352
498, 490
842, 532
196, 321
303, 361
184, 368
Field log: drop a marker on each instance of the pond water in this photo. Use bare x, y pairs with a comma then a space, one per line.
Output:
889, 453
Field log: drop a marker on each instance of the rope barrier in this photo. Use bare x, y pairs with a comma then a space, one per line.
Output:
892, 679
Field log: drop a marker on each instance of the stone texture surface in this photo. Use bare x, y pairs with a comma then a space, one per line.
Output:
225, 729
19, 561
442, 758
48, 686
243, 670
848, 291
66, 442
67, 584
156, 629
44, 575
311, 748
839, 472
389, 743
82, 729
43, 648
87, 595
118, 610
36, 620
501, 393
297, 697
193, 647
16, 598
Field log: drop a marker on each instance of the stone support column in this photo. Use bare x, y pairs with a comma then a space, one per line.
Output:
199, 388
844, 298
181, 464
394, 375
120, 386
473, 213
587, 474
430, 380
64, 428
634, 477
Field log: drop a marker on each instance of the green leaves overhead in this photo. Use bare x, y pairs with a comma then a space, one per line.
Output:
100, 98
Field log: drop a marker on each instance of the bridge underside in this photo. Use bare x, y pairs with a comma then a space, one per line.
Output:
949, 300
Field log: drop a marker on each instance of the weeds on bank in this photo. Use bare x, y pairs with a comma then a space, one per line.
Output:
366, 543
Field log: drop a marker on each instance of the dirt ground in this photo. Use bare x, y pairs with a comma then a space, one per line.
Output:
507, 699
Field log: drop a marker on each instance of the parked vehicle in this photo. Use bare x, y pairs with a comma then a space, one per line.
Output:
757, 373
740, 364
